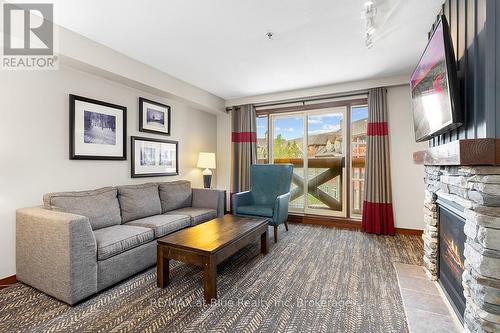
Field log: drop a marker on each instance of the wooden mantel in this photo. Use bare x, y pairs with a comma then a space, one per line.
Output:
461, 152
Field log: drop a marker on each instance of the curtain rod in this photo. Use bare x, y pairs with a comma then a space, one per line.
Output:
304, 100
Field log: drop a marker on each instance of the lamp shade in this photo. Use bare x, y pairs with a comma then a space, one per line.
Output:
206, 160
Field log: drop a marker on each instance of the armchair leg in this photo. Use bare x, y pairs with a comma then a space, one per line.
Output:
286, 225
276, 234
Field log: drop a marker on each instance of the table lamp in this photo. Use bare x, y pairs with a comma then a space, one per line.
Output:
206, 161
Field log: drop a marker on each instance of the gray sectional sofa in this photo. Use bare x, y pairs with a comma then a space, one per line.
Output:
82, 242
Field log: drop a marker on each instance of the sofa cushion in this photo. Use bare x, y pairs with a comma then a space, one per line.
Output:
100, 206
197, 215
163, 224
120, 238
175, 195
255, 210
139, 201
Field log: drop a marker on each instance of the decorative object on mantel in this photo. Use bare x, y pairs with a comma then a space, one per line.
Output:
154, 117
154, 157
98, 130
206, 161
377, 207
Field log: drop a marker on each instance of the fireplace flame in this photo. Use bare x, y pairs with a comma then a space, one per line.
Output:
454, 253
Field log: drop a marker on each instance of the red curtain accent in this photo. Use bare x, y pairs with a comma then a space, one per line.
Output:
244, 137
378, 129
378, 218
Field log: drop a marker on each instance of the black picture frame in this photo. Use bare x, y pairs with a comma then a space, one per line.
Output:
133, 172
142, 128
73, 153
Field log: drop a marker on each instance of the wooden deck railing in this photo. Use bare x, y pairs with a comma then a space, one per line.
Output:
333, 166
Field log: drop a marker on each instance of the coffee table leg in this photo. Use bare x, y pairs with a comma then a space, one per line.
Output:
210, 279
264, 248
162, 269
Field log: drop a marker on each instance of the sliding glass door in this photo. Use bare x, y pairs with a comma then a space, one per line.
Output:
359, 127
314, 142
326, 162
287, 146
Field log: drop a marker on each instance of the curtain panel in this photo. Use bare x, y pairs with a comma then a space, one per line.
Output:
243, 146
377, 206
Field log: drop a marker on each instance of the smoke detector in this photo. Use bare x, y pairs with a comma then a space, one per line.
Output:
270, 35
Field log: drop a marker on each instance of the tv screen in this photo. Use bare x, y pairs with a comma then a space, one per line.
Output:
433, 87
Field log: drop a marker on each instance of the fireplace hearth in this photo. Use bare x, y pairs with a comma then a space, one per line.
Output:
451, 254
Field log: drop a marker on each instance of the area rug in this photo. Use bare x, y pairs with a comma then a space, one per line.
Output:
315, 279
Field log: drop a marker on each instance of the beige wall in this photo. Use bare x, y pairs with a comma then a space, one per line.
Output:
407, 178
338, 88
224, 154
34, 142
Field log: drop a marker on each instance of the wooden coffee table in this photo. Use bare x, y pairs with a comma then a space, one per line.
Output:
208, 244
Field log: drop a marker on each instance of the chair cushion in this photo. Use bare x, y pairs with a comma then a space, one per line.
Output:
163, 224
120, 238
139, 201
197, 215
100, 206
175, 195
256, 210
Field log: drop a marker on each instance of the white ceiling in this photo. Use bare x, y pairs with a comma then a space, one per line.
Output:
221, 45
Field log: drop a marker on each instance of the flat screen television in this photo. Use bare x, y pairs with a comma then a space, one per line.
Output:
434, 87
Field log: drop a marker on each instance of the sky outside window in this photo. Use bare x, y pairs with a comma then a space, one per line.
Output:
261, 127
359, 112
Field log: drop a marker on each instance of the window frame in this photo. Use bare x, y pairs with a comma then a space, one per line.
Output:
303, 109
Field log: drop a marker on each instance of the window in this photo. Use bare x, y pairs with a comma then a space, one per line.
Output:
262, 143
328, 176
288, 147
359, 128
325, 152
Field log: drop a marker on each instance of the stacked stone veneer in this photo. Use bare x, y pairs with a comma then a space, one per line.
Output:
477, 189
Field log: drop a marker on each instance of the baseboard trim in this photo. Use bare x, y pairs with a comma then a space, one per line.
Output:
332, 222
5, 282
406, 231
343, 223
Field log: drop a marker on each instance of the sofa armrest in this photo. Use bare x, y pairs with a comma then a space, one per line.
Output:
209, 198
56, 253
280, 212
240, 199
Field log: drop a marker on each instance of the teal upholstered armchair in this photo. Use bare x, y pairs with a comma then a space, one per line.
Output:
269, 194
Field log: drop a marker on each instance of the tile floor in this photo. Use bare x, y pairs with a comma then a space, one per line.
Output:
424, 304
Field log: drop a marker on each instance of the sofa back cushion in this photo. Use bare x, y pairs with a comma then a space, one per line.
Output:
100, 206
175, 195
138, 201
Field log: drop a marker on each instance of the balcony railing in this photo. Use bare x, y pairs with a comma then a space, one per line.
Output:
332, 168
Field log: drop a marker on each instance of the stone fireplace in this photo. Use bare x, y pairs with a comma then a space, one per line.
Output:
472, 194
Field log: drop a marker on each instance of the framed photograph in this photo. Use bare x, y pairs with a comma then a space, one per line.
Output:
154, 117
154, 157
98, 130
